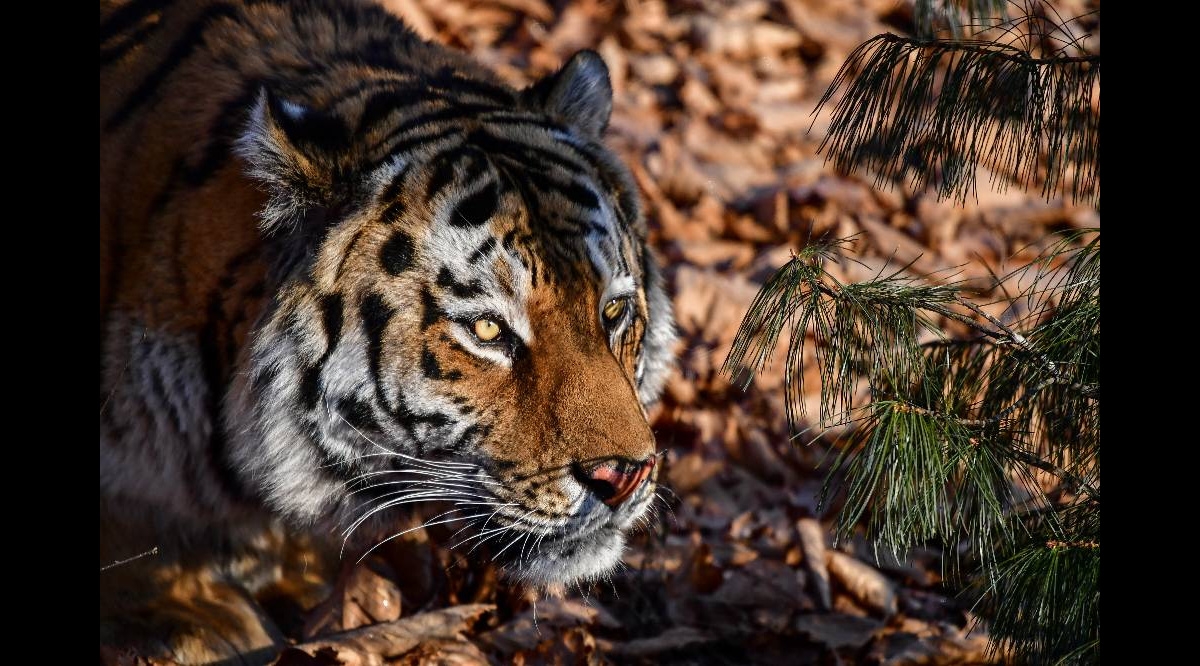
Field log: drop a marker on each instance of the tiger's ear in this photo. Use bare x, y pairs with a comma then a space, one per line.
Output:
296, 153
579, 94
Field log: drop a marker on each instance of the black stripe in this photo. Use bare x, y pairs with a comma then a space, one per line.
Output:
410, 419
414, 143
451, 81
524, 153
375, 315
192, 38
477, 208
455, 347
456, 112
397, 253
483, 251
310, 378
381, 105
430, 312
351, 92
393, 213
384, 103
331, 317
446, 280
575, 192
390, 195
358, 413
471, 436
429, 364
617, 182
443, 166
310, 387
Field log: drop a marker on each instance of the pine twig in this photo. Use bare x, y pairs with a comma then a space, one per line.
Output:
934, 111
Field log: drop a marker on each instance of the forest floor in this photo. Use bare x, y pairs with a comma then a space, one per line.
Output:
712, 111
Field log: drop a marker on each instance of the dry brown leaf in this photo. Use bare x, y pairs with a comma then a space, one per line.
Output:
444, 653
370, 644
364, 594
654, 69
703, 575
812, 541
698, 98
838, 631
743, 39
110, 656
721, 254
536, 9
688, 472
709, 304
616, 61
529, 629
863, 582
675, 638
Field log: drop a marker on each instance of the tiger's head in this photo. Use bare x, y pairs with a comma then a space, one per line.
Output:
465, 316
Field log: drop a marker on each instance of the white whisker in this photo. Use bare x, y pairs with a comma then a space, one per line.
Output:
412, 529
510, 544
428, 496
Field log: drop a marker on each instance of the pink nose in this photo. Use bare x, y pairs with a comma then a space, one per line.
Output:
616, 482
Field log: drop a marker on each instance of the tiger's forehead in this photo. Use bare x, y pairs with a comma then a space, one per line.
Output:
502, 224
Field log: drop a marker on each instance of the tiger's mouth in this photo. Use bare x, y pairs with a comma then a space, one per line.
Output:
539, 540
576, 554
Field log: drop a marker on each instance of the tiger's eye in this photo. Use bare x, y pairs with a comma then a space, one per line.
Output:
614, 308
486, 329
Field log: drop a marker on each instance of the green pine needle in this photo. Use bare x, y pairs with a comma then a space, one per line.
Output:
934, 111
950, 436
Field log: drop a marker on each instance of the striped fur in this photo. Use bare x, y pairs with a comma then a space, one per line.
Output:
303, 209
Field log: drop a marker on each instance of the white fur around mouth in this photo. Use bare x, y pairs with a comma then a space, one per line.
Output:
567, 561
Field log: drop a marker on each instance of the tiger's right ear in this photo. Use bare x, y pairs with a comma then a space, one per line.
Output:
297, 153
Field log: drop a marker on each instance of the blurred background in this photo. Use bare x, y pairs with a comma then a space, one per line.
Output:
714, 113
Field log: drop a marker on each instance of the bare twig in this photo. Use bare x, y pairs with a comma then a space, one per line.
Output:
152, 551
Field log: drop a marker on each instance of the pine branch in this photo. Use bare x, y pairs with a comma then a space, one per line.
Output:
946, 446
934, 111
1045, 601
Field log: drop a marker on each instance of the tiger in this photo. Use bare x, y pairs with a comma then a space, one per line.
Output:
348, 273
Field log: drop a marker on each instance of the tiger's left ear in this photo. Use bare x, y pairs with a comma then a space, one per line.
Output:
297, 153
579, 94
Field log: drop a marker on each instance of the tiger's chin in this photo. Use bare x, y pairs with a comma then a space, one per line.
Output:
568, 560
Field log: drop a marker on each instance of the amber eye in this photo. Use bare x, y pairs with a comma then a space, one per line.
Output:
613, 309
486, 329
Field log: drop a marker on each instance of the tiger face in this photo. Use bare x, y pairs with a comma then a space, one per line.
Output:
468, 320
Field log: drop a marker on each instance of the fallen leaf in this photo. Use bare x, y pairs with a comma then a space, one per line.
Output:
863, 582
812, 542
392, 639
675, 638
836, 630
